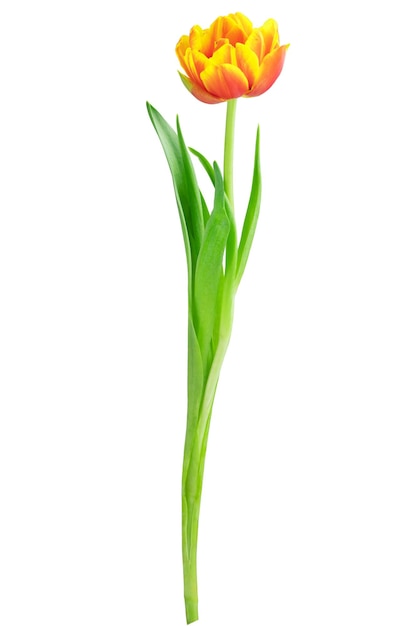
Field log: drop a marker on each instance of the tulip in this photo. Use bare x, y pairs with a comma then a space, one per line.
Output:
230, 59
222, 63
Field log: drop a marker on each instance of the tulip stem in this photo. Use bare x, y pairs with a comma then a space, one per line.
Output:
229, 140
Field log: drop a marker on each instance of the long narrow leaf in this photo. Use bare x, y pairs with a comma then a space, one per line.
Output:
252, 214
209, 270
206, 212
195, 209
210, 171
174, 156
232, 241
205, 163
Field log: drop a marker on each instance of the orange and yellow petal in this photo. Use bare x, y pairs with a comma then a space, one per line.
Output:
199, 92
224, 81
195, 63
196, 38
214, 34
226, 27
232, 31
181, 49
270, 35
225, 54
269, 71
219, 43
244, 23
248, 62
256, 43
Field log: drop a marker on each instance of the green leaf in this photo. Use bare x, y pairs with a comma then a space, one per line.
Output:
194, 216
210, 171
185, 187
205, 163
209, 269
231, 251
251, 217
195, 379
206, 212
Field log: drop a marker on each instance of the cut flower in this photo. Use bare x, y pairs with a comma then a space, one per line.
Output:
230, 59
222, 63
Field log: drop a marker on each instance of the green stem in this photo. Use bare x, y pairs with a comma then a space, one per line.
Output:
229, 139
192, 483
201, 396
193, 471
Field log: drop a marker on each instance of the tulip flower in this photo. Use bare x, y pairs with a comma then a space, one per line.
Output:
222, 63
230, 59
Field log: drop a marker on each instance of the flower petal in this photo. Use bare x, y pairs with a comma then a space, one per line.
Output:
196, 38
224, 81
233, 31
219, 43
247, 61
244, 23
181, 49
270, 35
199, 92
227, 27
269, 71
256, 42
225, 54
195, 63
215, 32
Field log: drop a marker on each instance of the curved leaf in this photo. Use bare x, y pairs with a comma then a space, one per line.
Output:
205, 163
252, 214
194, 210
186, 189
209, 269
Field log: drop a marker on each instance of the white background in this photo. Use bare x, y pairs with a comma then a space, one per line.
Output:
309, 511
